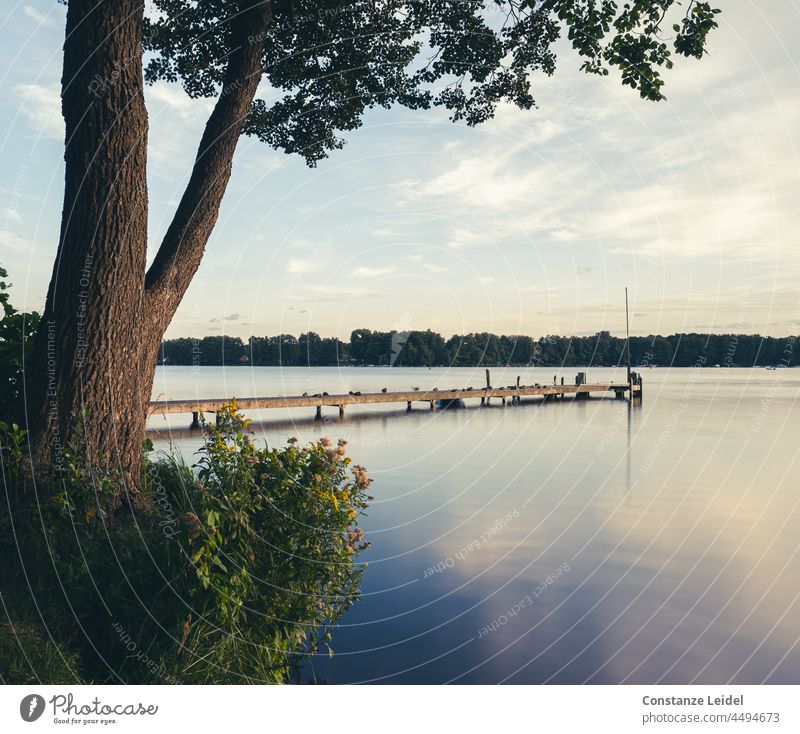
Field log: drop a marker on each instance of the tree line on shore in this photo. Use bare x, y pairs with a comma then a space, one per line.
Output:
430, 349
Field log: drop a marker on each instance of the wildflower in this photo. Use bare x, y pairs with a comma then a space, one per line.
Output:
193, 525
251, 460
291, 441
325, 442
360, 475
341, 443
198, 485
335, 454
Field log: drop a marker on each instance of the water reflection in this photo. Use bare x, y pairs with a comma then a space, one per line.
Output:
676, 516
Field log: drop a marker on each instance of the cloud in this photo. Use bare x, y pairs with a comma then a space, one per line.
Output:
41, 104
173, 97
366, 272
40, 18
14, 242
297, 266
232, 317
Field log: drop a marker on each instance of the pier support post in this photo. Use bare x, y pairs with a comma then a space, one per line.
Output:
341, 411
503, 401
195, 419
408, 405
318, 416
433, 404
483, 401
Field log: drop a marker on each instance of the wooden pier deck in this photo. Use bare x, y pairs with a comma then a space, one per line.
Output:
511, 394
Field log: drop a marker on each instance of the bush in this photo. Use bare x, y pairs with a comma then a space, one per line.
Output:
16, 334
239, 567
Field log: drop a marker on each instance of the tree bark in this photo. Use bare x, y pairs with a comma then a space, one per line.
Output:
96, 350
91, 330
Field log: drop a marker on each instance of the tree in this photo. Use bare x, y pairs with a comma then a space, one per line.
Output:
331, 61
16, 331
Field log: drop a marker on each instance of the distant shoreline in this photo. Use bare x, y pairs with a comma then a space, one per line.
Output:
429, 349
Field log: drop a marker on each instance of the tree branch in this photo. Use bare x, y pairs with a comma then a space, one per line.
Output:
184, 243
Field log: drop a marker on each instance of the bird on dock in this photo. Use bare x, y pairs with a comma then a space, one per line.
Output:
349, 392
305, 394
383, 389
325, 394
416, 389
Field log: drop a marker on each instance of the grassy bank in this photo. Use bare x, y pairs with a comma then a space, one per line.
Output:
228, 571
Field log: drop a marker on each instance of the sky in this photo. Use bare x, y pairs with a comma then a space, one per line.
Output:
533, 223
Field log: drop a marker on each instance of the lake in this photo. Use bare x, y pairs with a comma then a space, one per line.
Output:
565, 542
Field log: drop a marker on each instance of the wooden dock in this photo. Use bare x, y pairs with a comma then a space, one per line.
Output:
511, 394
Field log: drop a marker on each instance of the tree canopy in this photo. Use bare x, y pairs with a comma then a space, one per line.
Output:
429, 349
327, 62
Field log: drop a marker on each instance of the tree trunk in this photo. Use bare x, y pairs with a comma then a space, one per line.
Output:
92, 353
96, 350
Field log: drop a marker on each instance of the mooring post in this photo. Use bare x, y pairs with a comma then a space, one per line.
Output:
195, 420
319, 413
517, 382
488, 381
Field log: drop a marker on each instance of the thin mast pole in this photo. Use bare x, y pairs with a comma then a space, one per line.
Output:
627, 336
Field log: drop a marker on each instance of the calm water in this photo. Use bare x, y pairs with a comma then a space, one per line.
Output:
564, 542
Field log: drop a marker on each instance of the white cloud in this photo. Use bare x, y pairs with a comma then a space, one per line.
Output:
14, 242
298, 266
173, 97
11, 214
366, 272
40, 18
41, 104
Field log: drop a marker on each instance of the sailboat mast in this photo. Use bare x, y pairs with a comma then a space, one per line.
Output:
627, 336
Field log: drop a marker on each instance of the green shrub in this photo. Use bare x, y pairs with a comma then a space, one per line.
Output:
16, 332
239, 567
